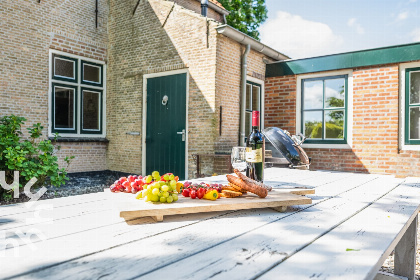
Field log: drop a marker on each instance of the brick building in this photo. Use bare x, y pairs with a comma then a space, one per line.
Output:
131, 85
359, 110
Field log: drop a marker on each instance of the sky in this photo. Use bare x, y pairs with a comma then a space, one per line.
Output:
307, 28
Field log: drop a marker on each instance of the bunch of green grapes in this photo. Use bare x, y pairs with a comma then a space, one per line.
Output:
162, 189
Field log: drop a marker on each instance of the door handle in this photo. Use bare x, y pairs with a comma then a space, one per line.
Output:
182, 133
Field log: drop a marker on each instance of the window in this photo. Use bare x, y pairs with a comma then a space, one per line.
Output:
253, 103
412, 106
77, 96
64, 68
91, 110
91, 74
324, 109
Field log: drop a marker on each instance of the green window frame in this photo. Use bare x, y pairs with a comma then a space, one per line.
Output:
91, 83
80, 86
63, 78
408, 106
53, 102
324, 110
82, 129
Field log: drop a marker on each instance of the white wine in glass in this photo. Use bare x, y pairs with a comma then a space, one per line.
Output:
238, 158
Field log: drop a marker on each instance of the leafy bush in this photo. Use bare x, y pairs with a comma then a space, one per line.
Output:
333, 130
32, 157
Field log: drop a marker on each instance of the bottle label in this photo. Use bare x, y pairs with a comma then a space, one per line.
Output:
253, 155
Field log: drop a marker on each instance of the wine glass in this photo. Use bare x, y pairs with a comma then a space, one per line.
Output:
238, 158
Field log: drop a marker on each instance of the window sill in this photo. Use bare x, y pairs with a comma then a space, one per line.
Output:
410, 148
80, 140
326, 146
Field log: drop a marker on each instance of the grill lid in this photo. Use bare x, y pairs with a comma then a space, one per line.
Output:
283, 143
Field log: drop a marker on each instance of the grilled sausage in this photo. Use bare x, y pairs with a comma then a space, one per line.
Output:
251, 187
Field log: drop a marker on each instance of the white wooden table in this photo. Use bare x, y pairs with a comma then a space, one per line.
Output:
354, 223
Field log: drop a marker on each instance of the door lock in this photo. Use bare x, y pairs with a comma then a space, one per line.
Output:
183, 134
165, 100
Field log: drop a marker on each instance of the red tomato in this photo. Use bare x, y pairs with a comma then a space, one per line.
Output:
193, 194
201, 192
186, 192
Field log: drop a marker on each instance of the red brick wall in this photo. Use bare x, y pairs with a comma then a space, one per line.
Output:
375, 123
280, 103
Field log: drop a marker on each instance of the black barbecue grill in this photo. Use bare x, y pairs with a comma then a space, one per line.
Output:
281, 148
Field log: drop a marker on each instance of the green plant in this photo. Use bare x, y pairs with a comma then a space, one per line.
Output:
246, 15
32, 157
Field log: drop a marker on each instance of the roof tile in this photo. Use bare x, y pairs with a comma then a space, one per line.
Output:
217, 3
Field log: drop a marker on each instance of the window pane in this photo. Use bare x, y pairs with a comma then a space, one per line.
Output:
248, 117
63, 68
91, 110
415, 87
248, 96
256, 98
312, 124
334, 124
312, 93
334, 93
64, 107
91, 73
414, 123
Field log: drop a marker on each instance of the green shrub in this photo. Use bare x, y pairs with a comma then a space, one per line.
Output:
333, 131
32, 157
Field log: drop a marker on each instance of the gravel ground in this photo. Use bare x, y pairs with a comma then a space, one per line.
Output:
388, 265
79, 183
91, 182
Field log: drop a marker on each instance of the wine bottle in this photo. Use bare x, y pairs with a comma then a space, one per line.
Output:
255, 149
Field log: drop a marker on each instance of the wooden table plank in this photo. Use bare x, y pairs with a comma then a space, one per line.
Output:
25, 219
75, 233
252, 253
372, 234
26, 207
87, 235
172, 246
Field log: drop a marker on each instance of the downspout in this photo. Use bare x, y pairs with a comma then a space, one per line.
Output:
204, 7
243, 95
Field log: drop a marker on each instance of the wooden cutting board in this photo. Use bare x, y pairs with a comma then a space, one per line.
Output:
131, 208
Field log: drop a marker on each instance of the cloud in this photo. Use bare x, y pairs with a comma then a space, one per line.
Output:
412, 1
402, 16
298, 37
353, 23
415, 34
313, 92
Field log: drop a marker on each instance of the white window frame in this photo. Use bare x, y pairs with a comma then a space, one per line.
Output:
402, 146
74, 68
262, 100
349, 126
79, 86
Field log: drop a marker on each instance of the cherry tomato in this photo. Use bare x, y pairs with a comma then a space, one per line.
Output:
193, 194
186, 192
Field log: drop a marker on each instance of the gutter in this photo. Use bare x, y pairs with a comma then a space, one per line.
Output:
217, 8
244, 39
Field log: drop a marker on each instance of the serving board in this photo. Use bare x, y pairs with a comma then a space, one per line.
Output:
131, 208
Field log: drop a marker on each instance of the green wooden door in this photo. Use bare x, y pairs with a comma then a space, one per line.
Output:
165, 146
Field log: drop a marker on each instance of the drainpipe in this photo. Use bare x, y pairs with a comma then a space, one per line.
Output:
243, 95
204, 7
